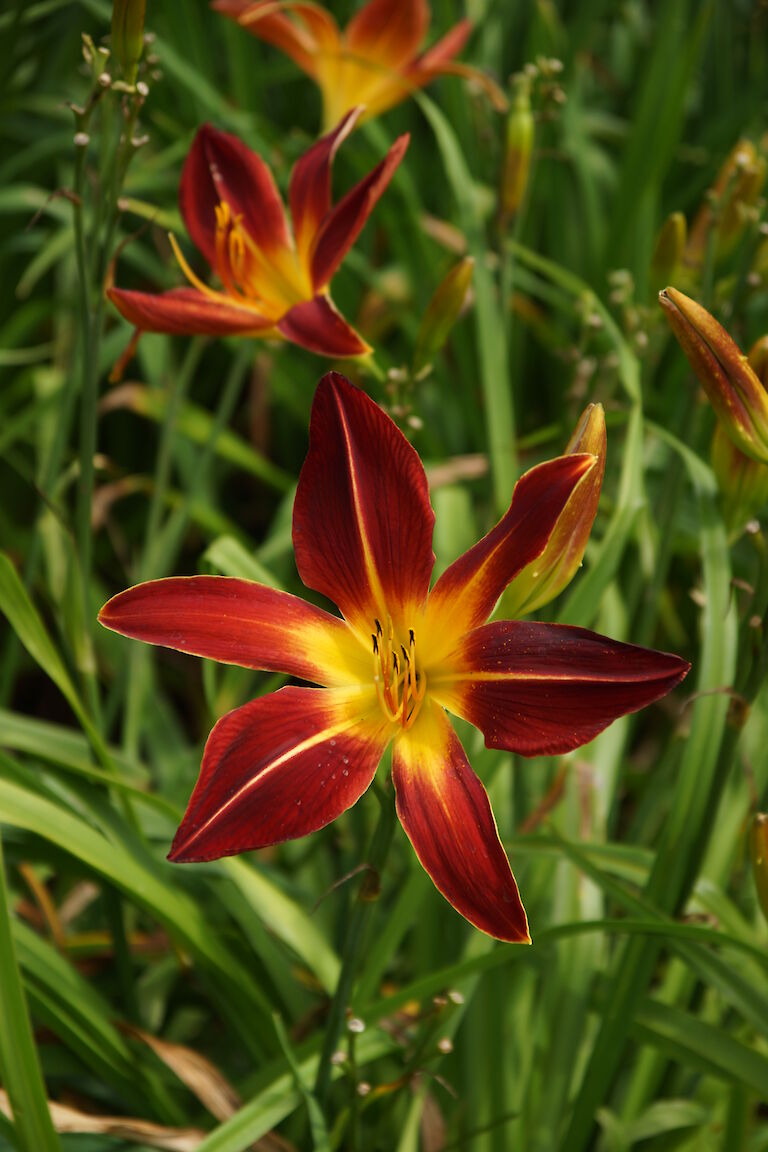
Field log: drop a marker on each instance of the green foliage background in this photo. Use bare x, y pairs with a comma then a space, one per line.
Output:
639, 1017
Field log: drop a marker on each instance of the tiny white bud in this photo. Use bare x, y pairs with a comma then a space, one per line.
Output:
356, 1025
338, 1058
455, 996
82, 139
105, 79
445, 1045
363, 1088
142, 89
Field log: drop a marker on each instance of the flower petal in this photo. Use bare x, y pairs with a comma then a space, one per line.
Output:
315, 30
362, 521
446, 48
547, 575
544, 689
280, 767
466, 593
310, 189
445, 812
240, 622
388, 31
187, 311
220, 168
343, 224
317, 325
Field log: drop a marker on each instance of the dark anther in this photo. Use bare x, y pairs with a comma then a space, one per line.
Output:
378, 626
395, 664
411, 636
375, 645
405, 654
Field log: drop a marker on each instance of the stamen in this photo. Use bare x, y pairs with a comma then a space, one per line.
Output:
194, 280
378, 627
375, 639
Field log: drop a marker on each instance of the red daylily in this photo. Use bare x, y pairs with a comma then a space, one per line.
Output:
274, 281
374, 61
288, 763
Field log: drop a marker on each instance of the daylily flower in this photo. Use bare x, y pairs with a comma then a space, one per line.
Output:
374, 61
401, 657
274, 282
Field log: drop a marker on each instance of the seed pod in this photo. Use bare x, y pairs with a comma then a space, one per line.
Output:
442, 312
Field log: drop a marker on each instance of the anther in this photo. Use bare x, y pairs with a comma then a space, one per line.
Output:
395, 664
375, 644
411, 637
405, 654
378, 627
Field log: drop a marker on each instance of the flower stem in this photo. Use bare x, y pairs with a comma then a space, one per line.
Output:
356, 931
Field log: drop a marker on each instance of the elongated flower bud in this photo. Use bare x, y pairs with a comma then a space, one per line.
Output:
668, 251
738, 185
128, 35
758, 850
734, 389
553, 570
743, 482
518, 148
442, 312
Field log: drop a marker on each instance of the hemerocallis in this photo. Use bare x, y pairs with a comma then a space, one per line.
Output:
274, 280
397, 662
375, 61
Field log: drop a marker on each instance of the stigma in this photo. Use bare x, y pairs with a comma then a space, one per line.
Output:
400, 685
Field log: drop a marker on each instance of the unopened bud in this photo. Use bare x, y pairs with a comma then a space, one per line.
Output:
547, 575
81, 139
128, 35
743, 482
738, 185
668, 251
758, 850
445, 1045
363, 1088
518, 148
356, 1025
442, 312
733, 387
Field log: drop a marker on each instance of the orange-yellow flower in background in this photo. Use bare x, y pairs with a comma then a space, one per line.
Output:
730, 199
274, 280
374, 61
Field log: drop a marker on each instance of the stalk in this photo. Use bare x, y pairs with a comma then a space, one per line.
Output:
359, 921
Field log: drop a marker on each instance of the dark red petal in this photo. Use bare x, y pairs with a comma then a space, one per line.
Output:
343, 224
310, 188
446, 48
544, 689
388, 31
466, 593
316, 325
186, 312
219, 167
445, 811
239, 622
278, 768
362, 521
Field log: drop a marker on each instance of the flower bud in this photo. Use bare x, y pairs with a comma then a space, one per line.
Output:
743, 482
733, 387
442, 312
737, 187
128, 35
758, 850
518, 148
547, 575
668, 251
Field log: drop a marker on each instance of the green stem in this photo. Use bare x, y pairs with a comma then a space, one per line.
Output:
137, 661
356, 931
19, 1063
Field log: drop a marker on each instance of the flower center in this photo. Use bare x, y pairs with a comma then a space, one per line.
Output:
400, 685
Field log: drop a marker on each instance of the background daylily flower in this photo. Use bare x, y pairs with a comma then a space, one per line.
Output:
289, 763
274, 280
374, 61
